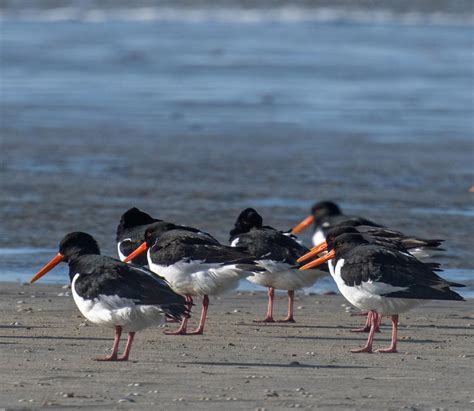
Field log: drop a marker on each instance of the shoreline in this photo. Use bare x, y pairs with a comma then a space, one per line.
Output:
47, 348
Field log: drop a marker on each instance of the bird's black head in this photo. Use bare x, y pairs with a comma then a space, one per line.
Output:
156, 230
133, 218
247, 219
346, 242
325, 209
76, 244
335, 232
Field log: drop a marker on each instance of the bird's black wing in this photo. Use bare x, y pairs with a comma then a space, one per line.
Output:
271, 244
102, 275
407, 241
188, 249
387, 266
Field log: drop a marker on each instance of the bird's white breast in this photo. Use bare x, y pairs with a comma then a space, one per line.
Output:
283, 276
318, 237
199, 278
368, 295
112, 310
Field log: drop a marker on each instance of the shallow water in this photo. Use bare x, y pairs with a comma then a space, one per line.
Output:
193, 119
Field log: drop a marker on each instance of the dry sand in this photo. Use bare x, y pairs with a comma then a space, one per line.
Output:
47, 351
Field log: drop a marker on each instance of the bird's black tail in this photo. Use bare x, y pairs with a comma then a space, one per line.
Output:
415, 242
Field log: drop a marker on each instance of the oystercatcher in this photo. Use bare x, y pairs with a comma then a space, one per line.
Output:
194, 265
394, 242
277, 253
382, 281
378, 236
131, 230
114, 294
324, 215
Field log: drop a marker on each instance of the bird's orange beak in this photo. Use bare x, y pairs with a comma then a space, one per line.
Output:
314, 251
302, 225
143, 247
48, 267
319, 260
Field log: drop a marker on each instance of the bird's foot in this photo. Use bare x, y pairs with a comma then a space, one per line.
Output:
365, 349
198, 331
387, 350
108, 358
176, 332
287, 320
265, 320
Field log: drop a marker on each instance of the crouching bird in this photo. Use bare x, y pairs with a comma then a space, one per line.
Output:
114, 294
381, 280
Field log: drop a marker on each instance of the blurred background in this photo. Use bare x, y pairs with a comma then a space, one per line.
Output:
194, 110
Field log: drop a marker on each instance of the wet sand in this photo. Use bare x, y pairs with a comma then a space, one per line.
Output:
47, 350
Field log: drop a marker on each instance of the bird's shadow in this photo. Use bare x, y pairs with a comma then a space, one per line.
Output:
354, 339
275, 365
49, 337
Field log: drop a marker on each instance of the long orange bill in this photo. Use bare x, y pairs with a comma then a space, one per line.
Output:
314, 251
319, 260
143, 247
304, 224
53, 263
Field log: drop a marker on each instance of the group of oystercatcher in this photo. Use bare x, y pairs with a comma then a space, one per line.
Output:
163, 266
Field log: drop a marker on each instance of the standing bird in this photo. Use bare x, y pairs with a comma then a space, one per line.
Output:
194, 265
277, 253
131, 230
324, 215
114, 294
393, 242
382, 281
374, 235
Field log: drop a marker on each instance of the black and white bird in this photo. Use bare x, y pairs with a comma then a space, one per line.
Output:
194, 265
277, 253
326, 215
374, 235
382, 281
113, 294
131, 231
393, 242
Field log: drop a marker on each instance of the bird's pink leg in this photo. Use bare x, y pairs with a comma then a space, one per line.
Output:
366, 327
370, 339
113, 355
393, 345
289, 318
205, 305
128, 347
269, 317
184, 322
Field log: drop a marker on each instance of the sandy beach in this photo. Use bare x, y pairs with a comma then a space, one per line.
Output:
47, 350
